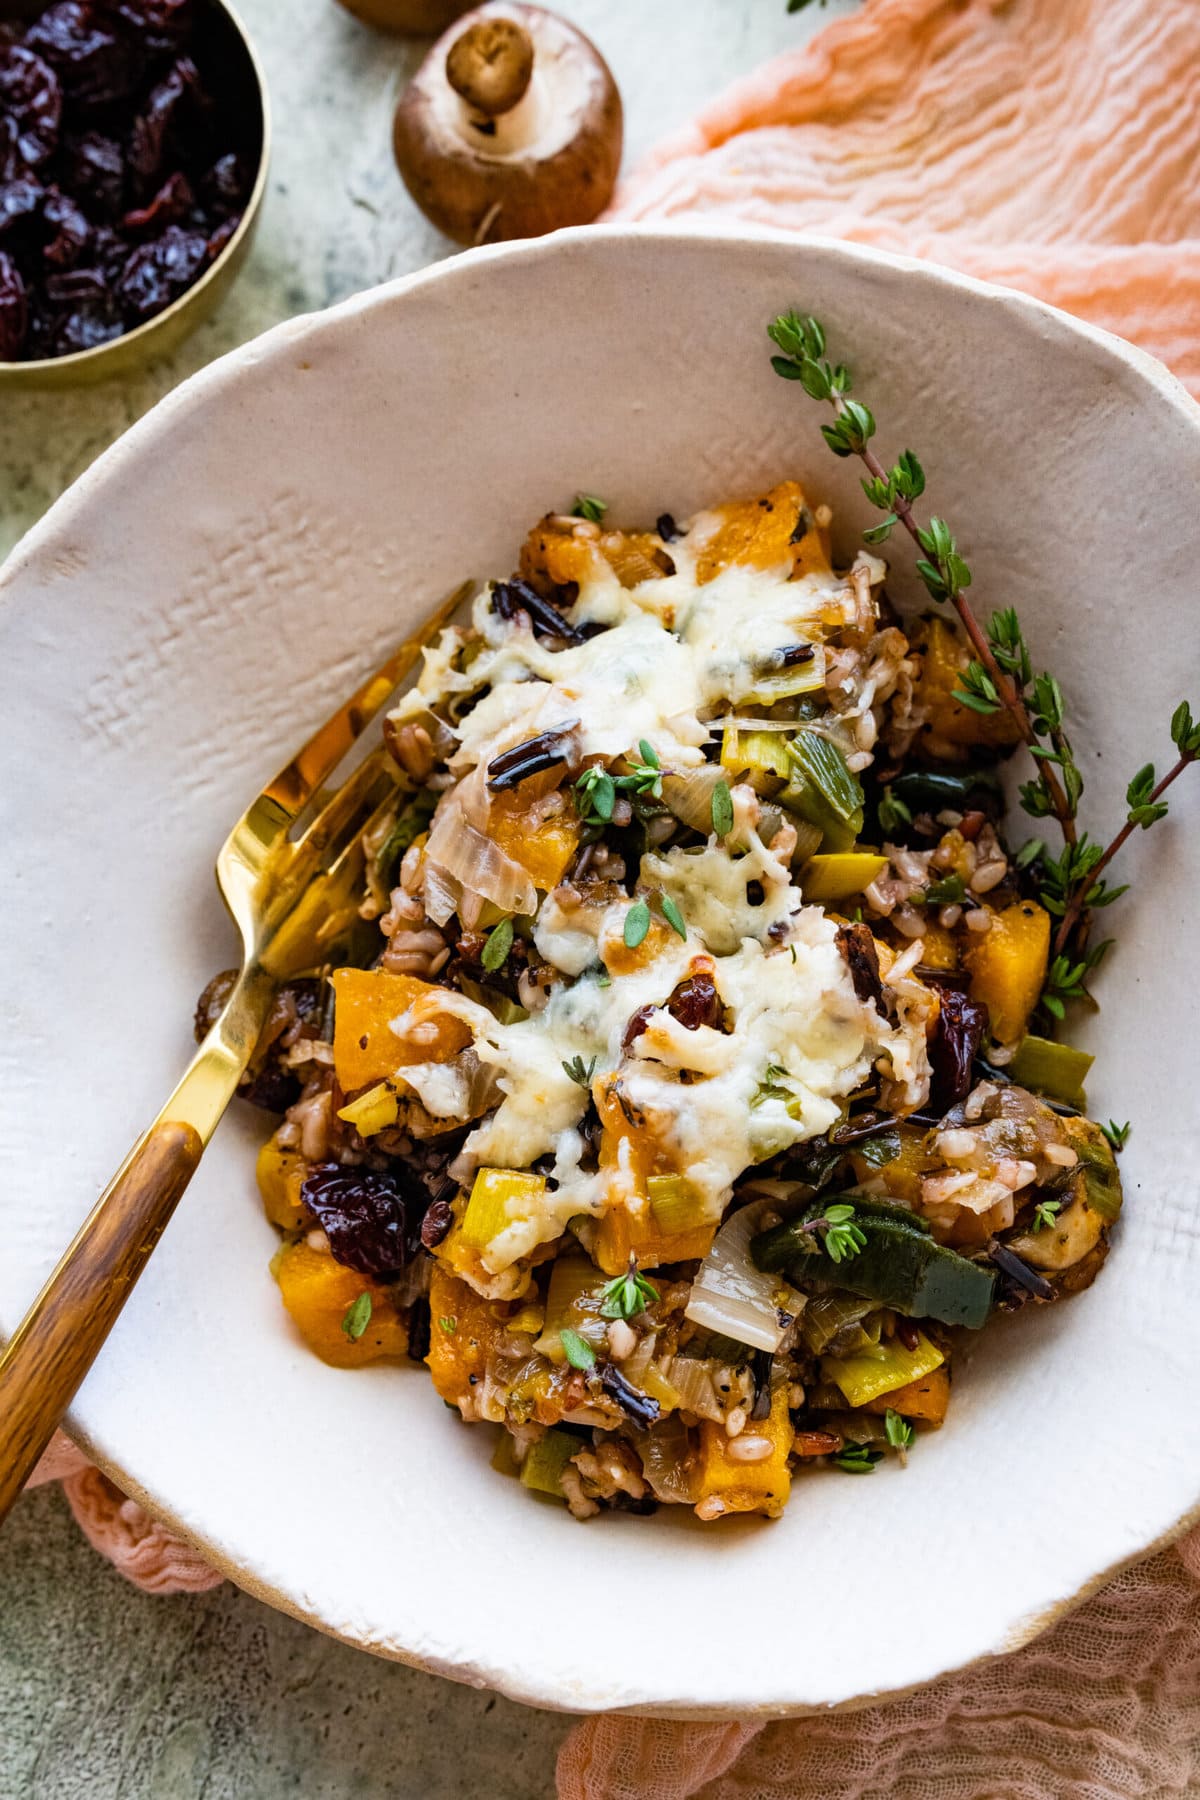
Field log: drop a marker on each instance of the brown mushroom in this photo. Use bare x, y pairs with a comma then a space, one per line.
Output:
511, 127
414, 18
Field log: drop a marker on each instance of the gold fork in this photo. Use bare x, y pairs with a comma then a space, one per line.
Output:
291, 898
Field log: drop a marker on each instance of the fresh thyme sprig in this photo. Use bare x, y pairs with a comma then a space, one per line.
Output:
357, 1317
645, 776
595, 795
988, 684
999, 675
1117, 1135
1045, 1213
576, 1349
581, 1072
857, 1459
900, 1433
627, 1294
589, 507
842, 1237
596, 790
499, 943
1144, 799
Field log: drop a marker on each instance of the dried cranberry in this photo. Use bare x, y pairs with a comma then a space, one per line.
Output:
637, 1024
221, 236
31, 105
160, 271
93, 167
162, 25
94, 63
227, 184
70, 227
74, 286
961, 1025
14, 310
173, 202
436, 1223
862, 959
20, 203
172, 106
696, 1002
363, 1214
273, 1089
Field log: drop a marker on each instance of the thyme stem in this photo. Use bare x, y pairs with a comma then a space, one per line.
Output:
1006, 689
1077, 904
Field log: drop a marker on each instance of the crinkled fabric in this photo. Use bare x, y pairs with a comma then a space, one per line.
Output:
145, 1552
1054, 146
1051, 145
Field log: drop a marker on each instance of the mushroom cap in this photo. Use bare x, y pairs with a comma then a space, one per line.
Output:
413, 18
550, 161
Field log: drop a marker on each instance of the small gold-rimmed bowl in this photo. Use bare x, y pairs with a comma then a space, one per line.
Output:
228, 47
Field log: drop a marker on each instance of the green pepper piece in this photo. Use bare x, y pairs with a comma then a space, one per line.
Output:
899, 1266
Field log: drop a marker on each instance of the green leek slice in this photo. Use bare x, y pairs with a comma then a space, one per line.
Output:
1049, 1068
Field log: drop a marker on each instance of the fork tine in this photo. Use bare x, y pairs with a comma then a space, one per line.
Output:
298, 780
317, 885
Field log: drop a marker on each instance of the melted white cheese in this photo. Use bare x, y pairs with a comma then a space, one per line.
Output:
796, 1040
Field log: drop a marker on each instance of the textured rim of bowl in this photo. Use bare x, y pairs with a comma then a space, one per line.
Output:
136, 347
534, 1690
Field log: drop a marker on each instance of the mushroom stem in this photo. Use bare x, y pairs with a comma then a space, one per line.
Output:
490, 65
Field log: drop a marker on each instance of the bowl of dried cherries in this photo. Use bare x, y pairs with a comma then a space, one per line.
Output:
133, 157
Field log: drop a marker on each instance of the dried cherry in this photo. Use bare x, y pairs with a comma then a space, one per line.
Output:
94, 171
363, 1214
95, 65
67, 230
14, 309
173, 202
126, 159
31, 109
160, 271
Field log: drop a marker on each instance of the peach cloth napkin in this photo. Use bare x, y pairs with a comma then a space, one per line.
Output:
1053, 145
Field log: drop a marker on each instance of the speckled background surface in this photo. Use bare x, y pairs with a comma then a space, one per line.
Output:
106, 1692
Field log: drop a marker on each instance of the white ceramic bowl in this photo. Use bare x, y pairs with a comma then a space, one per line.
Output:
205, 593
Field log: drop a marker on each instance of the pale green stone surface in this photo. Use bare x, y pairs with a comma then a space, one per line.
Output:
106, 1693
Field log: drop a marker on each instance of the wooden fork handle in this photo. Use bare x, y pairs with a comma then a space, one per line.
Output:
58, 1341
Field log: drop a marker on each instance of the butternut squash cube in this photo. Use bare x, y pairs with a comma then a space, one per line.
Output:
954, 729
543, 850
462, 1330
926, 1398
365, 1048
749, 1486
281, 1175
319, 1293
1008, 967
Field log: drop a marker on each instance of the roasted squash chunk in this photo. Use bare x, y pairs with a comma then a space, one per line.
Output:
365, 1048
748, 1486
926, 1398
462, 1330
543, 849
773, 531
281, 1175
627, 1145
1008, 967
953, 729
319, 1293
